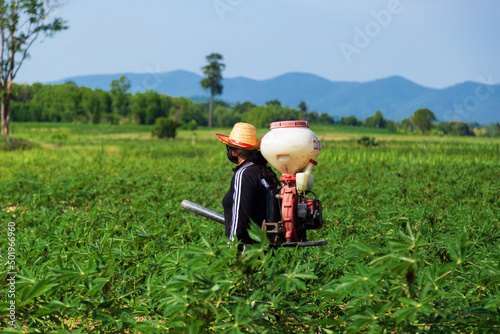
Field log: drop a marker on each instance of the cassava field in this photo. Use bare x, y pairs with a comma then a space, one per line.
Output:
102, 244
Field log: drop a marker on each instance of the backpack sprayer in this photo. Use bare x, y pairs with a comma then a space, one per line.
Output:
291, 148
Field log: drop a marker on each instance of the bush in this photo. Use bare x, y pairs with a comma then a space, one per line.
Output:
367, 141
13, 144
59, 136
165, 128
391, 127
191, 125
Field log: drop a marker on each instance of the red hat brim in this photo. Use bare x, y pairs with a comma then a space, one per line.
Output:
237, 144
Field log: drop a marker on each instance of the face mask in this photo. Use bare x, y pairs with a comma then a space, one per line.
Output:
230, 156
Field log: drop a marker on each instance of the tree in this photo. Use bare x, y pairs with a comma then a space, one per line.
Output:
312, 117
274, 102
213, 80
106, 102
423, 118
459, 129
391, 127
21, 23
224, 117
351, 120
262, 116
303, 109
165, 128
407, 125
496, 129
324, 118
242, 108
90, 104
120, 96
376, 121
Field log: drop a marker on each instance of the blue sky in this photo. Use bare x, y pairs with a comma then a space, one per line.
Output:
433, 43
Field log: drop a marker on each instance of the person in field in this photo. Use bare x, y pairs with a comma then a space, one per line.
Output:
246, 197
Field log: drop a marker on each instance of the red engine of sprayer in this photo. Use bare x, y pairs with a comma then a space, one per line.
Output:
298, 212
292, 214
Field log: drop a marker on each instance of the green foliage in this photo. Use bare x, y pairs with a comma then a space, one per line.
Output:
213, 80
103, 244
274, 102
376, 121
422, 119
70, 103
226, 117
303, 109
65, 103
149, 106
351, 120
21, 23
241, 108
262, 116
9, 143
213, 74
120, 96
192, 126
367, 141
165, 128
458, 129
323, 118
496, 129
391, 127
59, 135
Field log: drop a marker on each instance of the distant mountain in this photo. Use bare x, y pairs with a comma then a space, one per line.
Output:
395, 96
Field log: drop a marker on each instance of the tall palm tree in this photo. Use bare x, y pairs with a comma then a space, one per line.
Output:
213, 80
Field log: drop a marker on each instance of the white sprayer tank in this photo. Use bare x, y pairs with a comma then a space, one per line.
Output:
289, 146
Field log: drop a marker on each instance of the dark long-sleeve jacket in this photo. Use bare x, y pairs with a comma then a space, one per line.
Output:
245, 199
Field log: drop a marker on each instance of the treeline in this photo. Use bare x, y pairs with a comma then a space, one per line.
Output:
71, 103
423, 121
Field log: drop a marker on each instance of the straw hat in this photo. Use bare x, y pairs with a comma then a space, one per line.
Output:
243, 135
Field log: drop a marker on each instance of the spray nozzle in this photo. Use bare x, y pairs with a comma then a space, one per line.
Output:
305, 179
310, 166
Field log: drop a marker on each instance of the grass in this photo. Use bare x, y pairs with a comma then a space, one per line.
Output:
101, 236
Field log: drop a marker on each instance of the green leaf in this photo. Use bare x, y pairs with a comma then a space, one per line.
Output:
458, 250
38, 289
405, 314
408, 301
363, 249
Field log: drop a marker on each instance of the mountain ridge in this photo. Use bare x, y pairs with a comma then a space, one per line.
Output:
396, 96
